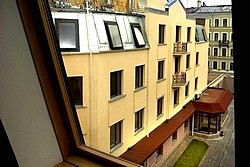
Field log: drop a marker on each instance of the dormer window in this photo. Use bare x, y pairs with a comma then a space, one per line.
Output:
137, 34
114, 36
68, 34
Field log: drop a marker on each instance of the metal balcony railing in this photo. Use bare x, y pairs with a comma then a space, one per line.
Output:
180, 47
224, 43
179, 79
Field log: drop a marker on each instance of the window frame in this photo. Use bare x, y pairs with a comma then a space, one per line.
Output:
111, 36
117, 134
187, 61
76, 91
176, 96
160, 105
139, 76
47, 58
161, 66
161, 36
197, 58
216, 22
138, 38
139, 119
58, 21
188, 34
117, 87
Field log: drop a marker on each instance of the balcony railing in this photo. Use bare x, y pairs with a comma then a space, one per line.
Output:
180, 47
224, 43
179, 79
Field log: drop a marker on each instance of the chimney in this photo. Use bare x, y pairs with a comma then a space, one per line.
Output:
198, 3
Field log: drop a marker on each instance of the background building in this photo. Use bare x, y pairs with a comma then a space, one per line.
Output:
220, 51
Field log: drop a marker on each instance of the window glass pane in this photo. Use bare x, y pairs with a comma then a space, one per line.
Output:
118, 133
112, 136
115, 35
75, 85
139, 36
67, 35
115, 83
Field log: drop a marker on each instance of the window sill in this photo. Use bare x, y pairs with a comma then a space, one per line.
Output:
117, 98
139, 130
116, 147
161, 80
139, 88
159, 116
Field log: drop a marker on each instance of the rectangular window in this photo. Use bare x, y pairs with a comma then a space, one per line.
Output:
196, 83
115, 83
138, 36
215, 51
224, 23
160, 105
114, 36
188, 34
68, 34
197, 58
216, 23
174, 136
115, 134
185, 124
176, 97
215, 65
224, 52
159, 151
139, 75
177, 64
139, 119
231, 52
216, 37
224, 37
186, 90
231, 66
223, 65
161, 34
161, 64
188, 61
75, 86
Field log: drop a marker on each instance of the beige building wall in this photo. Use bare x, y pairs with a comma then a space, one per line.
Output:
99, 112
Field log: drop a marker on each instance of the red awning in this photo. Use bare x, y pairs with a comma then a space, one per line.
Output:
142, 150
214, 100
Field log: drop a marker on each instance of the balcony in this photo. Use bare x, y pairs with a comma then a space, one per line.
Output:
179, 79
180, 47
224, 43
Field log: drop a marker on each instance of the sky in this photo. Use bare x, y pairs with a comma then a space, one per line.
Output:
193, 3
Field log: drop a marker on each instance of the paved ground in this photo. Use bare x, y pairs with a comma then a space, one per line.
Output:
221, 151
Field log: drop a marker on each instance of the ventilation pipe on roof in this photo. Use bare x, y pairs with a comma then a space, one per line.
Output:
198, 3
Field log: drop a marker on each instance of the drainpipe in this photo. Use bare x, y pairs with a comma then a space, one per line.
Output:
147, 81
91, 110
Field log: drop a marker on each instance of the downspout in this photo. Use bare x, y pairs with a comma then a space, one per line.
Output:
147, 81
91, 110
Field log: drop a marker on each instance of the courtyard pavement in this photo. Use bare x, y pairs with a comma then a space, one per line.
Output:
221, 151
